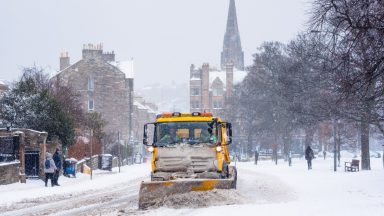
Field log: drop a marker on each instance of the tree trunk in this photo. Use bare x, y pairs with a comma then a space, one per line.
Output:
364, 135
309, 132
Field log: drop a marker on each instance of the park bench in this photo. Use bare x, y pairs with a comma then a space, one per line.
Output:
352, 166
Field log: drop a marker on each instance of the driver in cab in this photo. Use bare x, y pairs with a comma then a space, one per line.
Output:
170, 136
208, 136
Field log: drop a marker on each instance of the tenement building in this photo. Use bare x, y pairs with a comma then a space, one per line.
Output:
210, 86
104, 86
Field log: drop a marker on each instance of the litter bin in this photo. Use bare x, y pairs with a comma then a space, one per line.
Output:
138, 158
106, 162
69, 167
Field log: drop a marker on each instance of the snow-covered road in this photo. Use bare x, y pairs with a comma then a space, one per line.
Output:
265, 188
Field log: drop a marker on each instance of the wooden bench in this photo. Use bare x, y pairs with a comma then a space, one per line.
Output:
352, 166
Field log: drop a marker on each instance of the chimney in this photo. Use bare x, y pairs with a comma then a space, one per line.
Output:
64, 61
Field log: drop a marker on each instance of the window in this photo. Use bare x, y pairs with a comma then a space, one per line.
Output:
91, 84
90, 105
217, 104
195, 104
195, 91
217, 92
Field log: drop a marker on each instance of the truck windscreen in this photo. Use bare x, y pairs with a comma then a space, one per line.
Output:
169, 133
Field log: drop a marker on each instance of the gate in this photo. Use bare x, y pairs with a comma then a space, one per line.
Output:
32, 163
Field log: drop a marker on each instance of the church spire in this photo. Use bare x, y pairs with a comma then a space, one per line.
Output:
232, 52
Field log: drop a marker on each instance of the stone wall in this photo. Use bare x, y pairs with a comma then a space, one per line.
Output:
9, 172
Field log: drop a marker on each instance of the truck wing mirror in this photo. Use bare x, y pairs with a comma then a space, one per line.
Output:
228, 128
145, 134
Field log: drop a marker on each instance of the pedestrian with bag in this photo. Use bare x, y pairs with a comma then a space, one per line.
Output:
49, 169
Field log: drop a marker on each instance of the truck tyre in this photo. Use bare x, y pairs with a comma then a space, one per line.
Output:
234, 185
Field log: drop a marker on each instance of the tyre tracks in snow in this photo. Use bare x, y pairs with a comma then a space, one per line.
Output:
104, 201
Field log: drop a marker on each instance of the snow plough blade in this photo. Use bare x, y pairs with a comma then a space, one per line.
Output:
151, 192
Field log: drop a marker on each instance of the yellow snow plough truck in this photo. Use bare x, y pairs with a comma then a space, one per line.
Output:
189, 153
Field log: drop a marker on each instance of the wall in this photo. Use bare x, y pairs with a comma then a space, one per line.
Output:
9, 172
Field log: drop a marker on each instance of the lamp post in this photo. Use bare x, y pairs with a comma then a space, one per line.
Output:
119, 145
334, 143
383, 156
90, 142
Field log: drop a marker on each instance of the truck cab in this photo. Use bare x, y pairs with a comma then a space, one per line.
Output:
188, 146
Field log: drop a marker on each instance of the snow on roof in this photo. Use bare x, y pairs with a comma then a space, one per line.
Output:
126, 67
143, 107
238, 76
71, 160
9, 163
217, 74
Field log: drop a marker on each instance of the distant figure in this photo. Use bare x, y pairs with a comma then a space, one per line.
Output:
256, 156
309, 156
289, 158
324, 154
57, 160
49, 169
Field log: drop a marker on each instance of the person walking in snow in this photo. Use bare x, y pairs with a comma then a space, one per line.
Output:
49, 169
309, 156
289, 158
256, 156
57, 160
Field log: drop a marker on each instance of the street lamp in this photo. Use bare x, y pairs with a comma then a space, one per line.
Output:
383, 155
334, 144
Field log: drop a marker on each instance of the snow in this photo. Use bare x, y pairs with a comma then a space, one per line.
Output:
263, 189
35, 188
126, 67
9, 163
71, 160
281, 190
238, 76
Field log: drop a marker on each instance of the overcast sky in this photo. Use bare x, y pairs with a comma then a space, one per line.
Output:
163, 36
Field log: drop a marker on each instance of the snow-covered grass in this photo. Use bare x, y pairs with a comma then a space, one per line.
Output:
101, 179
282, 190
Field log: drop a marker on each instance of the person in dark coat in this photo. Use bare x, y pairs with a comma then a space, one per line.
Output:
256, 156
57, 160
309, 156
49, 169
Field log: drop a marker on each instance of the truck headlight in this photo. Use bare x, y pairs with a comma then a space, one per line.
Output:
218, 148
150, 149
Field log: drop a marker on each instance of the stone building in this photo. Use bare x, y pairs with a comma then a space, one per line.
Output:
104, 85
143, 112
209, 86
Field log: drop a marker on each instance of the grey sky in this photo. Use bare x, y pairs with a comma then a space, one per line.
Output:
163, 36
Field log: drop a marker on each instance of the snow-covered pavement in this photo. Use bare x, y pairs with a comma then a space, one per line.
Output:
265, 188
